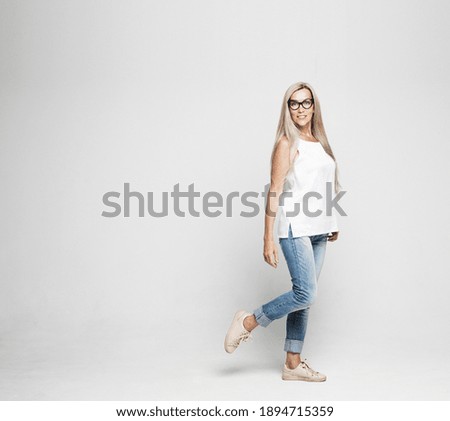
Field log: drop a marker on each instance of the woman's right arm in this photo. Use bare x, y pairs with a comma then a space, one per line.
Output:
280, 166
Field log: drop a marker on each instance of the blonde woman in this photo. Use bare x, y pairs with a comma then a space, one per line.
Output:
303, 166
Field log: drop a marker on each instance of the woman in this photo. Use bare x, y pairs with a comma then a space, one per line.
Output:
303, 166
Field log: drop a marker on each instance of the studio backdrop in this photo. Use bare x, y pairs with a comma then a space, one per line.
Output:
108, 108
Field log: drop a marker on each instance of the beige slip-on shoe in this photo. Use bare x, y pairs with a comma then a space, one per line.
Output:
302, 372
237, 332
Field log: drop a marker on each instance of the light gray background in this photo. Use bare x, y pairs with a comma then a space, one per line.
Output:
154, 93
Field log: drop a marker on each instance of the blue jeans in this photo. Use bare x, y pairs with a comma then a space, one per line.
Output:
304, 257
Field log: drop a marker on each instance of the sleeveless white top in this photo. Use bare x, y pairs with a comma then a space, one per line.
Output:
312, 169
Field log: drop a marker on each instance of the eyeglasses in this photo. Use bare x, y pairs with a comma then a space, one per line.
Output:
295, 105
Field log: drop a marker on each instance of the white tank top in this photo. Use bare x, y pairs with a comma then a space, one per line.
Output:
312, 169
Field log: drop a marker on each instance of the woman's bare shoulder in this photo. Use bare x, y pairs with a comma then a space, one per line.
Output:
281, 154
283, 143
284, 140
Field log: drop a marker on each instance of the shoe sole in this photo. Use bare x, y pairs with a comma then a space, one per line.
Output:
287, 376
235, 318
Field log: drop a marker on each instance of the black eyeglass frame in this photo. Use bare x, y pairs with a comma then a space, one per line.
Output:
300, 103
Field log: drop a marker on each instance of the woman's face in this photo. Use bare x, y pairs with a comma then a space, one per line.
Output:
301, 116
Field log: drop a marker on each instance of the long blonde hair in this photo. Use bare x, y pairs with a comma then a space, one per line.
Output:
287, 128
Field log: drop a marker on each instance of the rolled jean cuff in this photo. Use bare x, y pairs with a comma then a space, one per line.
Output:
293, 345
261, 318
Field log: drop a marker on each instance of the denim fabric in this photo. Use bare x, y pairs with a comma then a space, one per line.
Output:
304, 257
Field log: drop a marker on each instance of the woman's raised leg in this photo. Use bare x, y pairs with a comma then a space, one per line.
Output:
299, 255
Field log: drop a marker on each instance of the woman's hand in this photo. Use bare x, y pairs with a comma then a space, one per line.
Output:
333, 236
270, 253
